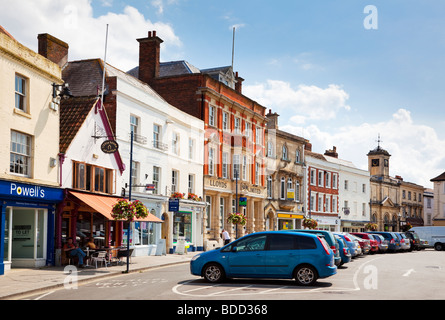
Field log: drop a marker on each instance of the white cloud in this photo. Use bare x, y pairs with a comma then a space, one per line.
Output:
417, 153
305, 102
73, 22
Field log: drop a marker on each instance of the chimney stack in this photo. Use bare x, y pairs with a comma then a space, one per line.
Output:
149, 55
238, 83
332, 153
53, 49
272, 120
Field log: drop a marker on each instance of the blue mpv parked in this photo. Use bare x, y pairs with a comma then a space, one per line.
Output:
268, 254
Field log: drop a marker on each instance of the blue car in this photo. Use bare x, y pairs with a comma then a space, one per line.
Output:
345, 254
354, 246
329, 237
268, 254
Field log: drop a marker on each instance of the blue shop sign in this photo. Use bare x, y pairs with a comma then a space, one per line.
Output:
22, 191
173, 205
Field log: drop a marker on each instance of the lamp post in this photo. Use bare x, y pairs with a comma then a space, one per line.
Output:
236, 200
129, 198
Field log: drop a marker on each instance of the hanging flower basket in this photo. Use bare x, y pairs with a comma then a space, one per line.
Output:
177, 195
371, 226
141, 209
127, 210
310, 223
237, 218
192, 196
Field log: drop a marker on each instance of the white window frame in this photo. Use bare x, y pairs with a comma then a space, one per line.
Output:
21, 151
212, 116
211, 163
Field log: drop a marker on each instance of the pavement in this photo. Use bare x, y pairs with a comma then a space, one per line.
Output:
18, 283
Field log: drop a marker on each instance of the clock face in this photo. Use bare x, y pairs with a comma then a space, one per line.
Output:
375, 162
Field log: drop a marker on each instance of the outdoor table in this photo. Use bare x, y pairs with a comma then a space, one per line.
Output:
88, 251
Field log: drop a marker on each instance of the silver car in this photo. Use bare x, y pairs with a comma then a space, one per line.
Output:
383, 243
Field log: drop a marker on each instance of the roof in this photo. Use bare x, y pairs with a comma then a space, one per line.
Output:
3, 30
168, 69
84, 77
440, 177
73, 113
379, 150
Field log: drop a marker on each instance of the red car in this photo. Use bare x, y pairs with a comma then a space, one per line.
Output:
374, 244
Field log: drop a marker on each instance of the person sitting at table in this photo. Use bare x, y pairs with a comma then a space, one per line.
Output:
74, 251
90, 244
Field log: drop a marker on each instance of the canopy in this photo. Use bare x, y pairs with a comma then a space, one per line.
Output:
104, 205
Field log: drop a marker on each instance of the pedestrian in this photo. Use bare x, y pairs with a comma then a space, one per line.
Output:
73, 251
225, 236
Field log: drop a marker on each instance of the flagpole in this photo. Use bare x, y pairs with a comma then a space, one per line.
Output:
103, 75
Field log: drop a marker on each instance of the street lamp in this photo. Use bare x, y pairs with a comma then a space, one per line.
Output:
62, 91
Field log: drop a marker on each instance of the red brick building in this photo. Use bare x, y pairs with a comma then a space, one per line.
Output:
234, 138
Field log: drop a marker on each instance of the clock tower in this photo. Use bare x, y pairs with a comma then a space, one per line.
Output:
378, 161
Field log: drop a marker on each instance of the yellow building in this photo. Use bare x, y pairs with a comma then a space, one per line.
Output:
29, 148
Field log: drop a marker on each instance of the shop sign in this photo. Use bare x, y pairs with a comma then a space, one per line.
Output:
30, 192
173, 205
109, 146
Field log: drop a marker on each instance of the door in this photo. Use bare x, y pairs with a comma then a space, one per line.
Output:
248, 257
282, 256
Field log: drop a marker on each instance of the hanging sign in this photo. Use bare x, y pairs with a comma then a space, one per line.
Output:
109, 146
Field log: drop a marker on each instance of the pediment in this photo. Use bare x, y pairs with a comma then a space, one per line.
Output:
387, 202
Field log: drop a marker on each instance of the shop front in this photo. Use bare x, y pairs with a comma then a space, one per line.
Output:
353, 226
87, 216
288, 221
187, 224
224, 197
329, 223
27, 224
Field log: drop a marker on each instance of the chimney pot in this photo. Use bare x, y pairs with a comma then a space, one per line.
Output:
149, 34
154, 34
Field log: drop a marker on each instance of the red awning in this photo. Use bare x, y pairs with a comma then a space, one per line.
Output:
104, 205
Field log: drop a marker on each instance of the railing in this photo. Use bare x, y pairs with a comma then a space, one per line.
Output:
159, 145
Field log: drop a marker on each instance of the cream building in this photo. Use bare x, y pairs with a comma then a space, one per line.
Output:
29, 140
285, 178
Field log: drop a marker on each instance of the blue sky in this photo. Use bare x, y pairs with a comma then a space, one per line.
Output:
332, 80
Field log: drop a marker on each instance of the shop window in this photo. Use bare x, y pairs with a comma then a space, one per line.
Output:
182, 226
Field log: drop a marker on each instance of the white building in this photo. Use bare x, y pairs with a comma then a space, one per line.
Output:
428, 206
354, 195
166, 157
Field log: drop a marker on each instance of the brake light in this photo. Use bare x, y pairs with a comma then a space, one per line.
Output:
392, 241
325, 247
347, 239
345, 251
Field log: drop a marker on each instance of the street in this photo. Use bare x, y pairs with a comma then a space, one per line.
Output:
415, 275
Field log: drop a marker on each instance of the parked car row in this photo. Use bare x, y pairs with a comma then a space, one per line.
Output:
303, 255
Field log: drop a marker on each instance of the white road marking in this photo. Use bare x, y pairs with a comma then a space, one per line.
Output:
406, 274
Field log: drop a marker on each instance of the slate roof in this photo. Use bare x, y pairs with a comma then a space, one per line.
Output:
168, 69
84, 77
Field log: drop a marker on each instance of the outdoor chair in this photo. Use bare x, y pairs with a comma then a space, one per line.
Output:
123, 254
101, 256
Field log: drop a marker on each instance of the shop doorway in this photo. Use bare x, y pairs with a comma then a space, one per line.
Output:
25, 237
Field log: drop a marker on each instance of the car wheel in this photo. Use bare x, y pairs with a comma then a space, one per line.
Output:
213, 273
438, 246
305, 275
